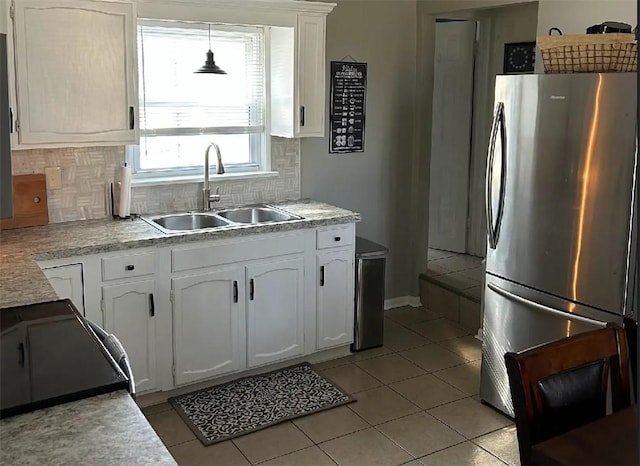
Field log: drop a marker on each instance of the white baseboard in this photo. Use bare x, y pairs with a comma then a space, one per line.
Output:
413, 301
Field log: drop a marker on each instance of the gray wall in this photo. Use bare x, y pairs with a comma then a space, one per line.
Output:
426, 13
378, 182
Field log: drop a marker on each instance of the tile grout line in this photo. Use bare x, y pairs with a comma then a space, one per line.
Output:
440, 341
441, 347
492, 454
240, 450
313, 444
399, 380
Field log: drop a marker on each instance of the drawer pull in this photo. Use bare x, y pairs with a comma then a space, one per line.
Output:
337, 238
152, 305
251, 289
322, 275
235, 291
130, 267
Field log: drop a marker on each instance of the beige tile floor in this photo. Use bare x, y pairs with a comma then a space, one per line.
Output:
417, 405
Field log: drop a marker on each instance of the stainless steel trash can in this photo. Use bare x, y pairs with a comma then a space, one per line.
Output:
369, 302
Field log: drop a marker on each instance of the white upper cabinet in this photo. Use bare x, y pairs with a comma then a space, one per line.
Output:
75, 72
298, 76
4, 15
311, 75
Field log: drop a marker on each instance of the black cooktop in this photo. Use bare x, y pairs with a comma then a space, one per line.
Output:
48, 356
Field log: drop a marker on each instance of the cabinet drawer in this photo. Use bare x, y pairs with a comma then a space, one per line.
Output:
132, 265
334, 237
228, 252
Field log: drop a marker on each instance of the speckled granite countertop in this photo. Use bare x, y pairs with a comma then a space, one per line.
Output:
102, 430
22, 282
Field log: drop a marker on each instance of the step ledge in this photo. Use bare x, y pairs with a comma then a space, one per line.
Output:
435, 281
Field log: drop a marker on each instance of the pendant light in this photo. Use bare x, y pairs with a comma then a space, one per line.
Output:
210, 65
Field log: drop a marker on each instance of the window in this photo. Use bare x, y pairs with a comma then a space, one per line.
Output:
181, 112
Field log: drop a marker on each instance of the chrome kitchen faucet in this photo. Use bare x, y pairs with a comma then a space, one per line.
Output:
207, 197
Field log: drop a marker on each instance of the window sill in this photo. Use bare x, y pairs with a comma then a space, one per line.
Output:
170, 180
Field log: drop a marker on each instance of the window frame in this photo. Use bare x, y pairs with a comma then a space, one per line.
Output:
260, 143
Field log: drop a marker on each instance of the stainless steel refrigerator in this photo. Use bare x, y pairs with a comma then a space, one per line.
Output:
560, 183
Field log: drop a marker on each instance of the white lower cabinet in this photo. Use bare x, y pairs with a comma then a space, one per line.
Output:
195, 312
335, 293
208, 324
67, 282
235, 317
129, 313
275, 328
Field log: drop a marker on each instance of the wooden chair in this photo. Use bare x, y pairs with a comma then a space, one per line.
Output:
561, 385
630, 327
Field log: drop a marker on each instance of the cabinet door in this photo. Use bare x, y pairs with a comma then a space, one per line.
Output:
208, 310
335, 298
311, 75
68, 283
76, 69
130, 315
275, 311
14, 362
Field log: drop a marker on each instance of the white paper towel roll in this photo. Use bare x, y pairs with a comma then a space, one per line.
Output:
124, 209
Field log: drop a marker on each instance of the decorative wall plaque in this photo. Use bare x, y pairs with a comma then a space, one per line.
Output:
347, 106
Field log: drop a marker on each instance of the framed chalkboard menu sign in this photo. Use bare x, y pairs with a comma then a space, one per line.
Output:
347, 106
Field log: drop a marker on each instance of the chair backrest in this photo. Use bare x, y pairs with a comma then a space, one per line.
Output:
561, 385
631, 331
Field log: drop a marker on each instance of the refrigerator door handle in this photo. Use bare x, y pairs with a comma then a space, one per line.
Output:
498, 129
542, 307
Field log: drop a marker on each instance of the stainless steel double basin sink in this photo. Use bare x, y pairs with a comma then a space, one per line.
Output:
228, 218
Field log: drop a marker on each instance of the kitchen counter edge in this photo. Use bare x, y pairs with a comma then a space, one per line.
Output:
23, 282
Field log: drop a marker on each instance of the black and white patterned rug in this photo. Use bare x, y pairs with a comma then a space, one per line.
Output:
253, 403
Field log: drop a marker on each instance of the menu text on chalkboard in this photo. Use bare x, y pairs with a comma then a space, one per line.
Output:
347, 106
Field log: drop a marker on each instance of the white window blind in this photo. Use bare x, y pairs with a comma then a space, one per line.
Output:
181, 111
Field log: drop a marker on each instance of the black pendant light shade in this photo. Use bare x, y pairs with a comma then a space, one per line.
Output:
210, 65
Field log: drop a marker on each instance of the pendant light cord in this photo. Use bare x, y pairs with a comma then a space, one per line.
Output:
209, 36
144, 98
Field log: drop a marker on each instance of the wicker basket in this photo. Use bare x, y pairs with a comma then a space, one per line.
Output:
589, 53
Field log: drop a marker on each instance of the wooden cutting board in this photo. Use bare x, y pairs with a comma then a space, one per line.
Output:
29, 202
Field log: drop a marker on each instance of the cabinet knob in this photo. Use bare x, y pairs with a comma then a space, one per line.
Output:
130, 267
337, 238
37, 199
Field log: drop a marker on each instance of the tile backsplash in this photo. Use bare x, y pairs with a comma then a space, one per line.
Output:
87, 172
